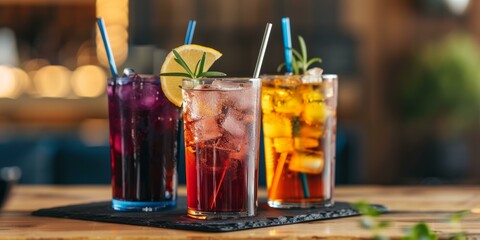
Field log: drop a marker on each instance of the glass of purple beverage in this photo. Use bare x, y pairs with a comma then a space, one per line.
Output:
143, 144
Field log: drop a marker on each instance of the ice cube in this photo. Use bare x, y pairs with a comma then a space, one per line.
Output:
124, 92
246, 99
228, 143
304, 143
148, 101
232, 125
267, 100
206, 129
283, 145
307, 131
204, 104
315, 113
311, 95
313, 75
225, 85
316, 71
133, 78
242, 148
239, 95
275, 125
127, 72
149, 94
306, 163
287, 101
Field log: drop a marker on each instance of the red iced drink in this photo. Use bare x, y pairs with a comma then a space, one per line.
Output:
221, 118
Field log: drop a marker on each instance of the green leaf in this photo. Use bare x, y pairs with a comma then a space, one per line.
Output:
281, 66
297, 55
212, 74
202, 63
313, 60
300, 62
383, 224
295, 66
185, 67
303, 48
182, 63
458, 216
196, 68
176, 75
380, 237
300, 65
364, 208
420, 231
459, 236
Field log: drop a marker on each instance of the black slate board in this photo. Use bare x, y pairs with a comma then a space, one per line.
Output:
177, 218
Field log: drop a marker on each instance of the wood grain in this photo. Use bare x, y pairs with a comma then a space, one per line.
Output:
409, 205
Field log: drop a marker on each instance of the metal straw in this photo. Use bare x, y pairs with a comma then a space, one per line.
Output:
261, 54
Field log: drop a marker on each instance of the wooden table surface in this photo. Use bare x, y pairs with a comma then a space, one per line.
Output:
409, 205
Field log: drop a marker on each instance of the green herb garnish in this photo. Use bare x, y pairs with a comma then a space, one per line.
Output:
455, 221
300, 61
419, 231
369, 219
197, 73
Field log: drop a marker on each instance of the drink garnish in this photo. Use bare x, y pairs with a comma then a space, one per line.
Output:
300, 63
197, 73
179, 64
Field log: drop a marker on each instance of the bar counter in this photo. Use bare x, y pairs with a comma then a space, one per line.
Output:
408, 205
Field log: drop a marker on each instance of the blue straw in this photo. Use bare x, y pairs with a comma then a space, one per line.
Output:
303, 178
108, 49
190, 31
287, 44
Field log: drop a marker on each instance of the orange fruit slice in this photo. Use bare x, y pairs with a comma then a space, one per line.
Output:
191, 54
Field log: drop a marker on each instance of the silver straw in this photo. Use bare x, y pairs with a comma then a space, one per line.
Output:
266, 35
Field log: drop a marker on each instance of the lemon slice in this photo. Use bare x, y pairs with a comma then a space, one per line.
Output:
191, 54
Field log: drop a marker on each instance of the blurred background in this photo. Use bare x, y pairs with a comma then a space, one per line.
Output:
409, 71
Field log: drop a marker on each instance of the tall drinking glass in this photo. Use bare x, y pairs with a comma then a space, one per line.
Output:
143, 144
299, 127
222, 129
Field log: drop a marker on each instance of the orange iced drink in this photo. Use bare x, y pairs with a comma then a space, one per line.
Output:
299, 126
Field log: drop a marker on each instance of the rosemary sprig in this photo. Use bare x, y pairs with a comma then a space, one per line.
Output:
300, 62
198, 71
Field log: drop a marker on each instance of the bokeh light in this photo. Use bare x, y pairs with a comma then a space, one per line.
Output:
89, 81
52, 81
23, 81
8, 83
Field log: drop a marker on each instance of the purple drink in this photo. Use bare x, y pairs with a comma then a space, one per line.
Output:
143, 144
